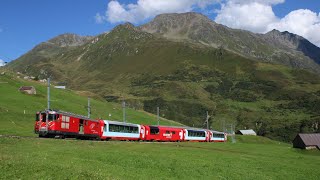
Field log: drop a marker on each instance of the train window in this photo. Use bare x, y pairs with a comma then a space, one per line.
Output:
196, 133
52, 117
37, 117
123, 128
64, 122
167, 132
173, 132
44, 117
154, 130
63, 125
218, 135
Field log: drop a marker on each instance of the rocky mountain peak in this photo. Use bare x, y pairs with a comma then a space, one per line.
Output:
126, 25
175, 23
70, 39
292, 41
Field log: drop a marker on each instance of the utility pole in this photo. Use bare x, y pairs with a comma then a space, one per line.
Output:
224, 125
48, 107
158, 116
124, 110
89, 108
207, 120
233, 133
48, 94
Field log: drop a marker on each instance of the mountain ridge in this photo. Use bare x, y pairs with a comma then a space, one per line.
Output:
275, 47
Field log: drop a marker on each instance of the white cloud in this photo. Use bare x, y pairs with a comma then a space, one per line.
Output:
253, 16
145, 9
258, 16
99, 18
2, 62
302, 22
265, 2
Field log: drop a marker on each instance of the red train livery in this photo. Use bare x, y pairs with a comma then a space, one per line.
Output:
63, 124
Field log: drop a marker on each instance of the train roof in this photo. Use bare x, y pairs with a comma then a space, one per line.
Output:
120, 123
68, 114
188, 128
180, 127
218, 132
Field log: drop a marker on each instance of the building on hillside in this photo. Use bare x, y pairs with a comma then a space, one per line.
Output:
28, 89
60, 87
247, 132
43, 80
307, 141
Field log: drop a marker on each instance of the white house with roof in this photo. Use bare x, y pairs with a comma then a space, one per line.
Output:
247, 132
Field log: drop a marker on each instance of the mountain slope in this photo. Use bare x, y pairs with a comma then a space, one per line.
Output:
186, 78
275, 47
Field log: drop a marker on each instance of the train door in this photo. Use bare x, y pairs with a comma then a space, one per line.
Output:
208, 136
81, 126
181, 135
142, 132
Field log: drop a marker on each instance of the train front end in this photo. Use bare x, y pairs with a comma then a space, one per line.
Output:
45, 123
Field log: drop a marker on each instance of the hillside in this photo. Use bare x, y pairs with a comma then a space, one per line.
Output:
18, 109
187, 78
273, 47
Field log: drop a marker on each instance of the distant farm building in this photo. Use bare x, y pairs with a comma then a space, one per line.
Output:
28, 89
60, 87
29, 77
43, 80
247, 132
307, 141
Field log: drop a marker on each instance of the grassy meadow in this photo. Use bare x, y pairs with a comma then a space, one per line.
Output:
35, 158
249, 158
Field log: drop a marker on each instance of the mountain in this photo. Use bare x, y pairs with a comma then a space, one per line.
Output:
275, 47
69, 39
183, 69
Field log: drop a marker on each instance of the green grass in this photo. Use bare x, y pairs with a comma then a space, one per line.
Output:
249, 158
17, 110
25, 158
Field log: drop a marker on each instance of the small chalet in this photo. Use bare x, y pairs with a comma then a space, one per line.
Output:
307, 141
247, 132
28, 89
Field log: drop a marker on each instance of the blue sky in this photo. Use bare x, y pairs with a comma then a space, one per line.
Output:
24, 24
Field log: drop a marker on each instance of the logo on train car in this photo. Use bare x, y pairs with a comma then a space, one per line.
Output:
92, 126
167, 135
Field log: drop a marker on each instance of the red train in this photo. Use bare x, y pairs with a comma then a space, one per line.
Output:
64, 124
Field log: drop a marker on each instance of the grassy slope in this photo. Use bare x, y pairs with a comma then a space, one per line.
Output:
249, 158
13, 103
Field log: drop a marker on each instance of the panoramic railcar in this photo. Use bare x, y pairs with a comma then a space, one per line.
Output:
163, 133
218, 136
122, 131
64, 124
199, 135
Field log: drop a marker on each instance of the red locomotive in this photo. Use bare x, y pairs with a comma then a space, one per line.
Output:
63, 124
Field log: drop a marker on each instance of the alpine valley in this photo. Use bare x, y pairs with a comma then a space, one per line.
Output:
187, 64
